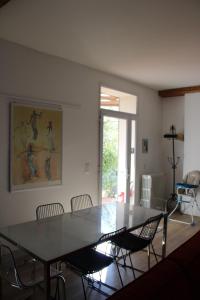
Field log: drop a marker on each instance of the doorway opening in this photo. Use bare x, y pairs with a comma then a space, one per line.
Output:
117, 145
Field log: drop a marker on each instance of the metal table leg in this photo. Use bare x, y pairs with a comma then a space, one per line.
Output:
0, 280
47, 285
164, 237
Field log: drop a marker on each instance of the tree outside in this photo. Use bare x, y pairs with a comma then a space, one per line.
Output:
110, 156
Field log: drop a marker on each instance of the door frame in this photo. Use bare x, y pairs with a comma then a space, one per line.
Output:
120, 115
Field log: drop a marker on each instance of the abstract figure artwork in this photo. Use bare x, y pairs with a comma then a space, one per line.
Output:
36, 146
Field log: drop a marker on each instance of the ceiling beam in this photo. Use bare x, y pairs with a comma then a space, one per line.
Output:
3, 2
179, 91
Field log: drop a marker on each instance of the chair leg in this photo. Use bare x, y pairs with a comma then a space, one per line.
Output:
148, 256
154, 252
120, 277
124, 257
100, 272
57, 293
132, 265
115, 250
83, 285
64, 288
57, 288
192, 211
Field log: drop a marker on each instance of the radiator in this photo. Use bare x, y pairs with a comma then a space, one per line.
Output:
153, 190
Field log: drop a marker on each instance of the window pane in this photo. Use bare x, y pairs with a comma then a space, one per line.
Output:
118, 101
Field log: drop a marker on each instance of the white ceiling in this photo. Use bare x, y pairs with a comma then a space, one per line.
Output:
154, 42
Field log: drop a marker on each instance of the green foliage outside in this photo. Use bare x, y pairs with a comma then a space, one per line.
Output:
110, 156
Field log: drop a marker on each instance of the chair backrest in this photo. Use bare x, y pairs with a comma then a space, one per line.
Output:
8, 269
110, 235
150, 227
49, 210
81, 202
192, 177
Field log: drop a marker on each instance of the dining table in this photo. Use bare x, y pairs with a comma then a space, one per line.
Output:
51, 239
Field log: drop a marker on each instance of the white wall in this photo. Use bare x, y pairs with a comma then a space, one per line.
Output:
28, 73
192, 137
173, 113
192, 140
183, 112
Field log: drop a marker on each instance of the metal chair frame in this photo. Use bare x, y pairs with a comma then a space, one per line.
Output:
147, 234
81, 202
188, 189
16, 281
49, 210
191, 193
87, 275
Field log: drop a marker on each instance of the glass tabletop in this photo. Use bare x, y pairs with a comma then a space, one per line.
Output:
52, 238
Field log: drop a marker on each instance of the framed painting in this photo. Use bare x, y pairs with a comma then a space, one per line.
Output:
35, 146
145, 145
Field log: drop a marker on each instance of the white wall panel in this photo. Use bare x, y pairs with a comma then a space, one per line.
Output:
28, 73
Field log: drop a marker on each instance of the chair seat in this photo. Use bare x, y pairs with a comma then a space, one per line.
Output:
88, 260
186, 186
130, 242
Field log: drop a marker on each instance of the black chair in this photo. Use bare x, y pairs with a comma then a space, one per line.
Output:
49, 210
81, 202
27, 275
88, 261
135, 242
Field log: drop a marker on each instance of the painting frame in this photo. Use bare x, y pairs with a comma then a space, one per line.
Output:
145, 145
35, 145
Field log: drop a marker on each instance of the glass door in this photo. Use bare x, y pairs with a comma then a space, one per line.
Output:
117, 156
